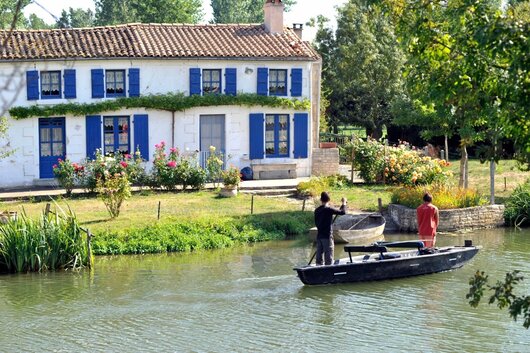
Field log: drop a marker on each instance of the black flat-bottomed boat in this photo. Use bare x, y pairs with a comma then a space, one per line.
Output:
379, 264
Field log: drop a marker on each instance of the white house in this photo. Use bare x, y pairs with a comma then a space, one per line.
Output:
51, 68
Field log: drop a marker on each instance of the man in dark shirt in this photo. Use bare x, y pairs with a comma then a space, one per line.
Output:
323, 220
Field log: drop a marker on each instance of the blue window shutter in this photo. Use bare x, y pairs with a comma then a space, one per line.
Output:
296, 82
256, 134
141, 135
32, 85
69, 84
231, 82
98, 83
301, 121
195, 81
263, 81
93, 135
134, 82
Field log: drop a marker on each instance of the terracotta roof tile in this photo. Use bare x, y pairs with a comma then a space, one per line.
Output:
155, 41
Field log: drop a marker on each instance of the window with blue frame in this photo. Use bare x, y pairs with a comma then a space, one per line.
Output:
116, 134
277, 82
277, 135
211, 81
50, 86
115, 83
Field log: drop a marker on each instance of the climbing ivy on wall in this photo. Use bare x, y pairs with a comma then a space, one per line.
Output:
173, 102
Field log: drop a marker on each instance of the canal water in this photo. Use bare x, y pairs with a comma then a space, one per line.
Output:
248, 299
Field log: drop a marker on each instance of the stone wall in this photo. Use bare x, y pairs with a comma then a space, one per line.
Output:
451, 220
325, 161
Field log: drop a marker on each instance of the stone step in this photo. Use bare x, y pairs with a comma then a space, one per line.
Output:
270, 191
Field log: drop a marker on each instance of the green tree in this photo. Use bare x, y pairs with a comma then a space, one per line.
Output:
362, 65
76, 18
241, 11
111, 12
503, 294
11, 13
35, 22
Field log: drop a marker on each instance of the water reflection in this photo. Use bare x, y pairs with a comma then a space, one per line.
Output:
249, 299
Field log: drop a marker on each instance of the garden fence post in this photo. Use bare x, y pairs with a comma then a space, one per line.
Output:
159, 204
47, 209
352, 155
504, 183
303, 205
380, 205
89, 248
252, 204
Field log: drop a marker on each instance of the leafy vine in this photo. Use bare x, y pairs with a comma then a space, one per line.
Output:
173, 102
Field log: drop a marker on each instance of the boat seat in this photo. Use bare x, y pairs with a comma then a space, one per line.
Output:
389, 255
366, 257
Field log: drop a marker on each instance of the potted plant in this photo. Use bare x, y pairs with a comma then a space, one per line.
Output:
231, 179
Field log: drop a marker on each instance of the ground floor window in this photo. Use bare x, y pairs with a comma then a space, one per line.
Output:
116, 134
277, 135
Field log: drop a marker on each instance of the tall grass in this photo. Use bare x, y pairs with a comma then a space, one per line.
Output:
53, 241
517, 207
182, 235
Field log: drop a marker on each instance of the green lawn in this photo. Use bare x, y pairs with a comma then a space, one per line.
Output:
142, 209
479, 177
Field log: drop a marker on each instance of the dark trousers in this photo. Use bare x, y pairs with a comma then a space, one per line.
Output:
326, 247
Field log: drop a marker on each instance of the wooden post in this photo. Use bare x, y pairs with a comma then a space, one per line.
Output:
89, 249
303, 205
380, 205
252, 204
47, 210
352, 156
504, 183
159, 203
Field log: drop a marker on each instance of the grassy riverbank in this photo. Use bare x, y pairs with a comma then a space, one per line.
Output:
188, 221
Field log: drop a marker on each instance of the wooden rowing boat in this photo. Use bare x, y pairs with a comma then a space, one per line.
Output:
353, 228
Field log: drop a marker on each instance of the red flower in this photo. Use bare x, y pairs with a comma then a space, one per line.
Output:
123, 164
171, 164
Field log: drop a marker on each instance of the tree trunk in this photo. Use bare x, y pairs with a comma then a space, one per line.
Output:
464, 175
375, 133
446, 148
492, 182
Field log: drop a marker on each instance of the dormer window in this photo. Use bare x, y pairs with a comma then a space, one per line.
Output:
50, 84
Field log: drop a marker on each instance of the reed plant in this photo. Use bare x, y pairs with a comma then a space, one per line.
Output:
50, 242
517, 211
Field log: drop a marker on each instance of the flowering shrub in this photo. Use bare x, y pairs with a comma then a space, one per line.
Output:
67, 174
214, 166
173, 170
398, 165
113, 189
444, 197
231, 177
96, 169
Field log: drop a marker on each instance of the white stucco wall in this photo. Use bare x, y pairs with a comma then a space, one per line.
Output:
156, 76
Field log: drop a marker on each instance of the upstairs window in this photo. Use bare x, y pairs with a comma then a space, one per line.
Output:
277, 135
115, 83
50, 84
116, 134
277, 82
211, 81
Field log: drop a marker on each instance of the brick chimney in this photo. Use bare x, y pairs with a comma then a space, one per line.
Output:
273, 13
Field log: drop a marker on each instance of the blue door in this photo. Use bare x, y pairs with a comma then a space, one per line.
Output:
51, 144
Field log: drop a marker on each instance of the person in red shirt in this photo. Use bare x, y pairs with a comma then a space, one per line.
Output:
428, 219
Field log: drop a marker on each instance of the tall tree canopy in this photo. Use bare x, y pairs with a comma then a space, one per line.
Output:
241, 11
110, 12
9, 9
362, 65
76, 18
